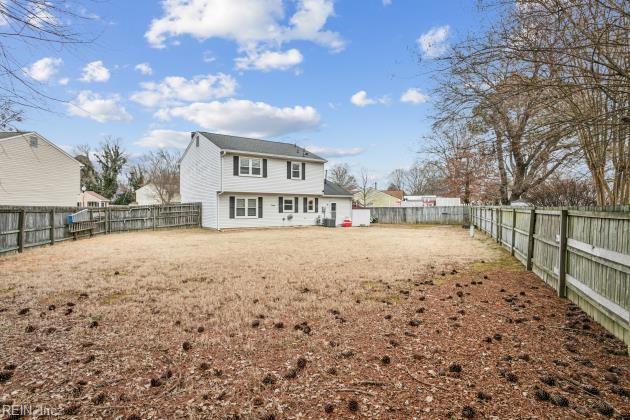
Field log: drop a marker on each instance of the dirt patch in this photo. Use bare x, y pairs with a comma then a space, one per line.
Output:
341, 323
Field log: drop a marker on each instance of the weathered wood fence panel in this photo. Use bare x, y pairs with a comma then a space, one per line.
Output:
583, 254
455, 215
25, 227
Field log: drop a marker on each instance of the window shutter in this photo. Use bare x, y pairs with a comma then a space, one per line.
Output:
317, 205
236, 165
303, 170
260, 205
280, 205
295, 205
305, 202
232, 207
288, 170
264, 168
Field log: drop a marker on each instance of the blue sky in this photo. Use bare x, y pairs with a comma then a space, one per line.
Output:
323, 74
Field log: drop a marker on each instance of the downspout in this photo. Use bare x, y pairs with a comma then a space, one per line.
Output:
220, 192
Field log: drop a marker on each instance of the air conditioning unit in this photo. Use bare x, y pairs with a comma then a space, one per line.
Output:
329, 223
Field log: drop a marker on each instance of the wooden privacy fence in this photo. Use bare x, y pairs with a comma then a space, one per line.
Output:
584, 255
455, 215
25, 227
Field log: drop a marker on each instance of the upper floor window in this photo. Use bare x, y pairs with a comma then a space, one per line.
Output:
32, 140
250, 166
296, 170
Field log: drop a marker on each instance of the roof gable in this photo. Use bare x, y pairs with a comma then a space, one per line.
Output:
9, 135
263, 147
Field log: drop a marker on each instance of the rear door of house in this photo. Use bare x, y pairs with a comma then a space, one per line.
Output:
333, 211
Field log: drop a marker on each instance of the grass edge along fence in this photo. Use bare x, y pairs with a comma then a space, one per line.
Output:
27, 227
584, 255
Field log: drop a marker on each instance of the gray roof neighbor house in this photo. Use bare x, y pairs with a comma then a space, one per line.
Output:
244, 144
330, 188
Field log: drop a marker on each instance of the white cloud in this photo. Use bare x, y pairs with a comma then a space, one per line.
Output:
44, 69
362, 99
336, 152
165, 139
414, 96
387, 2
433, 43
247, 22
269, 60
95, 72
208, 57
92, 105
243, 117
144, 68
63, 81
174, 90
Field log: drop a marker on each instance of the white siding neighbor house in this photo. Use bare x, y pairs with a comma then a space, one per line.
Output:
148, 195
35, 172
243, 182
92, 199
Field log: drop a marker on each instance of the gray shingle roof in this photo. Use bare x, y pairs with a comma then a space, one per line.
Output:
244, 144
330, 188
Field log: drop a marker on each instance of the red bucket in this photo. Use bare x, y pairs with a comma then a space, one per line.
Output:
347, 222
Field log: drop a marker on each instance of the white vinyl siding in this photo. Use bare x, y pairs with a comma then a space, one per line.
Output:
276, 181
273, 218
200, 179
37, 176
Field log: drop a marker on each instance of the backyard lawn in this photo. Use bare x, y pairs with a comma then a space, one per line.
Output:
382, 322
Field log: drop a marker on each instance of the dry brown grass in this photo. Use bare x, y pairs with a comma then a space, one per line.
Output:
150, 292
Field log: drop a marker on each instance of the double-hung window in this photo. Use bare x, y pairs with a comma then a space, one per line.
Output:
296, 170
288, 205
250, 166
246, 207
311, 204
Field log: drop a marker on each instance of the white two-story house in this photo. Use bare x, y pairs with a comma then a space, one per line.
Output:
243, 182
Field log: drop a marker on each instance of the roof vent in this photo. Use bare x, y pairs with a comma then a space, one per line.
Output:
32, 141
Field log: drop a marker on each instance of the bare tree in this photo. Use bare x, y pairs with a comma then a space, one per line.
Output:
365, 182
162, 171
560, 191
397, 180
467, 163
34, 24
425, 177
340, 175
550, 81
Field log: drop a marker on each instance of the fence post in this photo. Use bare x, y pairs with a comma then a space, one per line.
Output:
21, 230
52, 226
500, 226
562, 254
513, 232
530, 239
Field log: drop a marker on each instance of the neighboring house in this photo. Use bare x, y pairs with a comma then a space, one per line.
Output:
243, 182
92, 199
36, 172
148, 195
376, 198
430, 201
